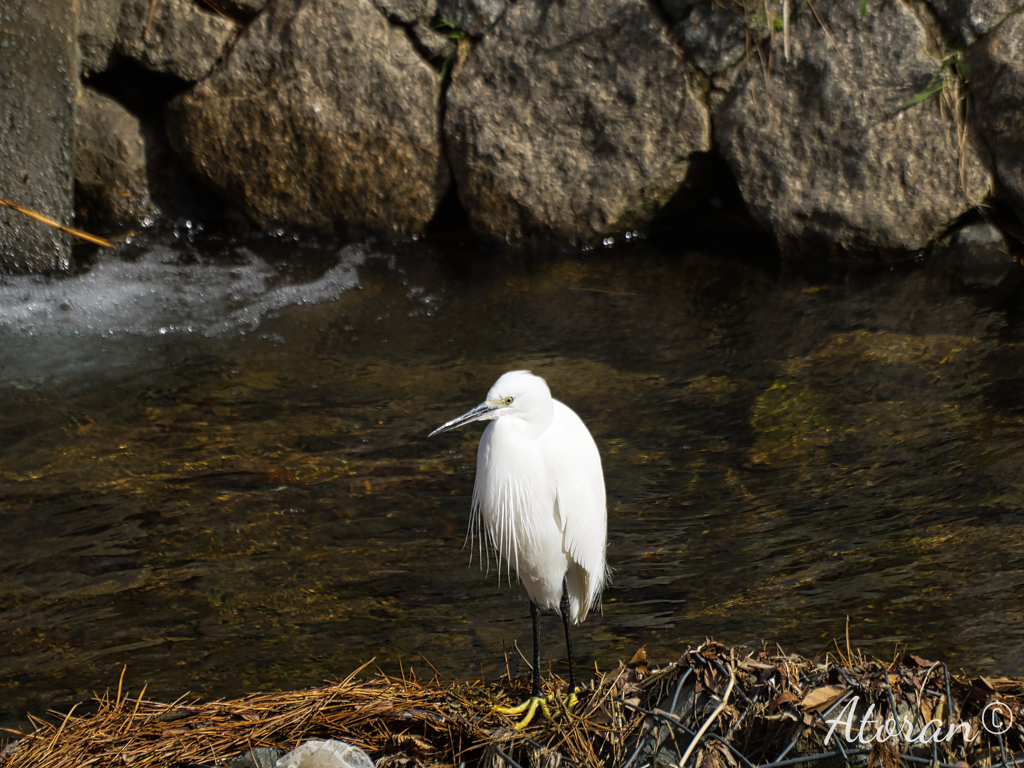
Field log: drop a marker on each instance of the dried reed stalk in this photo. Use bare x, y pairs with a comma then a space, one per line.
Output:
57, 225
754, 709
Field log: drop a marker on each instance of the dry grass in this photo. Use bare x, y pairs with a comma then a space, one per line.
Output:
56, 224
406, 721
721, 707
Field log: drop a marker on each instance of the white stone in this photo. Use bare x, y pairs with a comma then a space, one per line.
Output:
325, 754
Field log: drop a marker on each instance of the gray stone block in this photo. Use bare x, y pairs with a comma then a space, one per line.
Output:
38, 79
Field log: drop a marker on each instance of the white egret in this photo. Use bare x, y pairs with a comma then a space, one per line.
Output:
539, 494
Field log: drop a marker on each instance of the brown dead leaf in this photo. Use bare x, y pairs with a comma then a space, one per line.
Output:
625, 682
783, 676
890, 680
780, 701
709, 759
750, 664
712, 650
726, 753
1000, 684
821, 698
909, 658
926, 708
639, 664
981, 688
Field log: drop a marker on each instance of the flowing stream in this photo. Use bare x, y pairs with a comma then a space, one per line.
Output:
214, 469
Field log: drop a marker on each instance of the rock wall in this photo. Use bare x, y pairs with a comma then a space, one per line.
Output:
572, 121
868, 126
323, 113
37, 90
820, 148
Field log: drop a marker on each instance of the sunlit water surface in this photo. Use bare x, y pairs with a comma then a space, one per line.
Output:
214, 469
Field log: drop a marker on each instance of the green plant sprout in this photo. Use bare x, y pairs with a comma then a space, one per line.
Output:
951, 63
453, 32
450, 29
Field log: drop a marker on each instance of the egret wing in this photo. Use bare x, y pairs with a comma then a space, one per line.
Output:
580, 499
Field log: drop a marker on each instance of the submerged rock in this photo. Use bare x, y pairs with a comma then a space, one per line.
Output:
820, 149
977, 254
572, 121
323, 114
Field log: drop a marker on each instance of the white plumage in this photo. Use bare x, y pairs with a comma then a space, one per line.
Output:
539, 495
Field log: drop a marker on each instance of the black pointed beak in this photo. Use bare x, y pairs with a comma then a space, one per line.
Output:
473, 414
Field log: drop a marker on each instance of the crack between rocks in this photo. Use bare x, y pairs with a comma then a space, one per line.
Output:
666, 20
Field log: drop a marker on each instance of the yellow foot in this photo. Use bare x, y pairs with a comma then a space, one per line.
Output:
532, 704
530, 707
570, 701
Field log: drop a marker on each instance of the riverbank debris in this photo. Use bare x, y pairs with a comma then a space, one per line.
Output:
715, 707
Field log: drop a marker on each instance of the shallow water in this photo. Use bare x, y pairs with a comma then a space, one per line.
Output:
214, 470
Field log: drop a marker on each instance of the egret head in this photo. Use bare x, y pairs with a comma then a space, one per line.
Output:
517, 394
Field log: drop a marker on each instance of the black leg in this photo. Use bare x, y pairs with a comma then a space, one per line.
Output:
535, 615
568, 639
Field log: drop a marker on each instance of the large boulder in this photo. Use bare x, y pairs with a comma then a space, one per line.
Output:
822, 152
997, 84
185, 38
97, 33
323, 114
572, 121
111, 181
